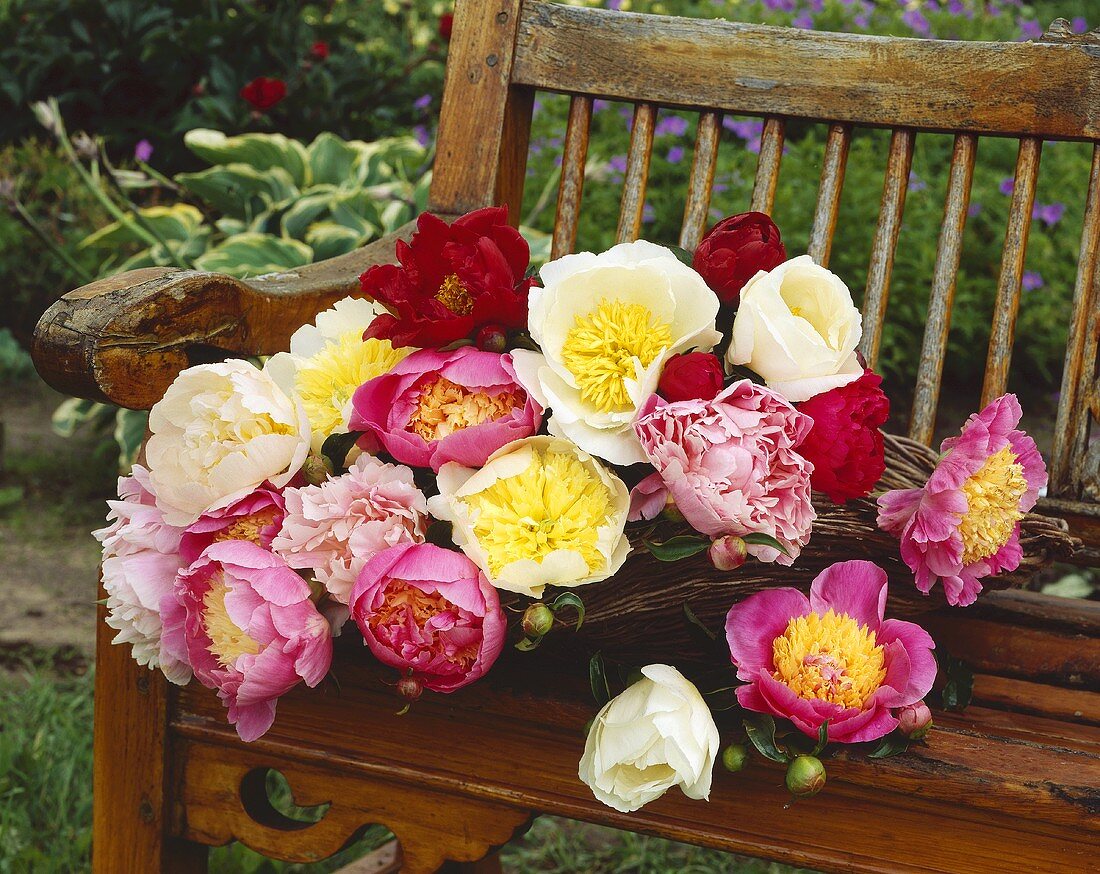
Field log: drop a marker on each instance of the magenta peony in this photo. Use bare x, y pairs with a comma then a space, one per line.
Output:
831, 656
963, 524
255, 517
434, 407
246, 623
429, 612
732, 466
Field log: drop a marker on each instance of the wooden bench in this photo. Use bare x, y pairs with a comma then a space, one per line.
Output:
1013, 783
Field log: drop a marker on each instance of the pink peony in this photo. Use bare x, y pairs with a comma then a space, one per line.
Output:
430, 612
831, 656
732, 466
434, 407
140, 561
255, 517
246, 623
332, 529
963, 524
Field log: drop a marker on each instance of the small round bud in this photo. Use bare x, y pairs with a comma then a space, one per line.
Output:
317, 469
914, 720
410, 688
805, 776
492, 338
735, 757
537, 620
728, 553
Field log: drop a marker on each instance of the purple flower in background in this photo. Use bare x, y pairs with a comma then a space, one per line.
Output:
648, 214
716, 213
861, 21
616, 5
974, 209
816, 5
1032, 280
803, 20
1049, 214
618, 166
780, 5
672, 125
422, 135
916, 183
599, 104
536, 105
675, 155
915, 19
143, 151
423, 103
719, 188
1008, 185
1079, 25
956, 7
992, 10
1030, 29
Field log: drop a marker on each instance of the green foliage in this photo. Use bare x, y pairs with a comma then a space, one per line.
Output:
15, 363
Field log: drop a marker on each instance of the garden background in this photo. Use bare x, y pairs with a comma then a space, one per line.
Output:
248, 137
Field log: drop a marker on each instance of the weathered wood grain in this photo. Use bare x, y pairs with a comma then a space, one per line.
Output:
637, 173
767, 165
571, 187
828, 194
703, 163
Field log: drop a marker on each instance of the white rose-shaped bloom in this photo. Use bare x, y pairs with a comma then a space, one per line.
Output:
219, 432
606, 325
541, 512
657, 734
797, 327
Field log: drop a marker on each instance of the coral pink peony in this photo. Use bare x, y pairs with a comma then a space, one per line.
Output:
831, 656
332, 529
434, 407
246, 623
140, 561
255, 517
732, 466
963, 524
429, 611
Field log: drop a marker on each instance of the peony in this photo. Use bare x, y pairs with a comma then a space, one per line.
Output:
334, 528
606, 325
140, 561
452, 280
328, 361
218, 433
691, 376
831, 656
247, 624
541, 512
963, 524
798, 328
255, 518
735, 250
732, 465
845, 443
430, 613
436, 407
657, 734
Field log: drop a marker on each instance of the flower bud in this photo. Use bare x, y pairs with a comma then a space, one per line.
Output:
805, 776
691, 376
728, 553
914, 720
735, 757
317, 469
410, 688
492, 338
671, 513
537, 620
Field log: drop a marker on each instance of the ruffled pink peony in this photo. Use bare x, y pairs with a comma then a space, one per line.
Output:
429, 611
140, 561
963, 524
830, 656
246, 622
732, 466
332, 529
434, 407
255, 517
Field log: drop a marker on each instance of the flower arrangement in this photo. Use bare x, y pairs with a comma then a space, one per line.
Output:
464, 440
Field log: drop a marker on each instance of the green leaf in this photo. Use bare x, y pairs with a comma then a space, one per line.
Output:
336, 448
683, 254
240, 190
759, 539
328, 239
74, 412
259, 151
177, 222
891, 745
958, 687
697, 622
569, 599
10, 496
760, 729
130, 428
822, 739
332, 160
254, 255
597, 678
528, 644
676, 548
311, 207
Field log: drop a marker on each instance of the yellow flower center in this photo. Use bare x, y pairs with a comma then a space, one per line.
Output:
556, 503
247, 527
327, 381
445, 407
601, 349
832, 658
403, 603
455, 296
227, 640
993, 506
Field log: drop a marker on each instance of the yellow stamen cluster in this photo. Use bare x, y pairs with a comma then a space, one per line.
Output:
445, 407
228, 641
831, 658
403, 602
247, 527
601, 348
455, 296
993, 506
556, 503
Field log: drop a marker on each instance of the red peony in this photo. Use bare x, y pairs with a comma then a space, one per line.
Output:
691, 376
319, 51
263, 93
452, 280
446, 25
845, 443
734, 250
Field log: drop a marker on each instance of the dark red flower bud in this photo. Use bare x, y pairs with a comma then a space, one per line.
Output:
410, 688
692, 376
446, 25
198, 89
263, 93
492, 338
319, 50
734, 250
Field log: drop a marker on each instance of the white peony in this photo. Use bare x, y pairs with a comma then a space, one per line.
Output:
219, 432
606, 325
797, 327
657, 734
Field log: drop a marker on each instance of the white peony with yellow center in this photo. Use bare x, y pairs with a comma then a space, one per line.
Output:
606, 325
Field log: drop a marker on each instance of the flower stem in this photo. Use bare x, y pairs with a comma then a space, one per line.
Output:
49, 242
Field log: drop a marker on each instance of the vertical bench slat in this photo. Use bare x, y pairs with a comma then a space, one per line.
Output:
571, 187
930, 369
637, 173
894, 188
1069, 428
767, 166
828, 193
1012, 270
702, 178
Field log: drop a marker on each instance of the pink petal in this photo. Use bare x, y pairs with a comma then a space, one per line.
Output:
918, 646
855, 587
753, 624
